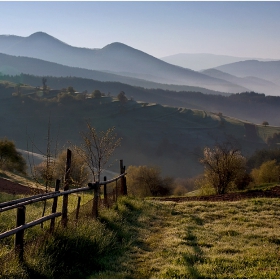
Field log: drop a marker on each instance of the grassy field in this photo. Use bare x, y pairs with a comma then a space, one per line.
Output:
203, 240
155, 239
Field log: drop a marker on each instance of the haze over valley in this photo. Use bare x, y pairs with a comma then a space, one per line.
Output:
172, 112
184, 90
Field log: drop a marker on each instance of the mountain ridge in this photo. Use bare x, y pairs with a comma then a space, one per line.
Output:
14, 65
203, 61
114, 57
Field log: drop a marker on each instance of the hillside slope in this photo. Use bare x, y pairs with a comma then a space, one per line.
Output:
249, 106
13, 65
152, 134
267, 70
254, 83
201, 61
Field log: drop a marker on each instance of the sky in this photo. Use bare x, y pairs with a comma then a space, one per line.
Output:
159, 28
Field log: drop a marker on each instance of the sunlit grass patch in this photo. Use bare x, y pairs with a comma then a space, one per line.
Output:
155, 239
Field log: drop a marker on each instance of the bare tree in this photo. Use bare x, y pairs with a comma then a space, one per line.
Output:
97, 148
223, 164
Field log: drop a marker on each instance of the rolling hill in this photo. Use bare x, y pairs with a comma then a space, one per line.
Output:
201, 61
152, 134
13, 65
256, 84
249, 106
267, 70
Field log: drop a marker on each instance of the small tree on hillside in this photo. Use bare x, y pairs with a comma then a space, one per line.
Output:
121, 97
44, 82
96, 94
10, 158
97, 148
223, 165
265, 123
71, 90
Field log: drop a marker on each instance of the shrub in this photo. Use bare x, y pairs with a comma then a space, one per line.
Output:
146, 181
10, 158
267, 173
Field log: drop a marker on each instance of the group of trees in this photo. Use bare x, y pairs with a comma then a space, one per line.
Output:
226, 169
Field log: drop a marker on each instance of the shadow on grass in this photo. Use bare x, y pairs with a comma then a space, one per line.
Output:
196, 257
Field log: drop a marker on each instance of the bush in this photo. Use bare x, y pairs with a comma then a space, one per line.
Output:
145, 181
223, 165
267, 173
10, 158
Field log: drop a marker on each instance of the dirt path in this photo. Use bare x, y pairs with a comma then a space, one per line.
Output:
11, 187
273, 192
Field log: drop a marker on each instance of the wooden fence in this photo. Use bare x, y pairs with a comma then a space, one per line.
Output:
18, 231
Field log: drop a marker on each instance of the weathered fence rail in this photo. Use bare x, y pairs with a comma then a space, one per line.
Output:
18, 231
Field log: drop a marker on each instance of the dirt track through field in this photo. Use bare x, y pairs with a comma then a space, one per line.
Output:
10, 187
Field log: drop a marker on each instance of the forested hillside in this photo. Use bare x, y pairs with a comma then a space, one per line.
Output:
249, 106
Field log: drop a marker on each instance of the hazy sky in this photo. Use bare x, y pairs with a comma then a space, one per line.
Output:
247, 29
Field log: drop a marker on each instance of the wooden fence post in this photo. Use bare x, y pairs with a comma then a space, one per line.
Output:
66, 188
105, 192
54, 206
123, 179
95, 200
19, 249
116, 191
78, 208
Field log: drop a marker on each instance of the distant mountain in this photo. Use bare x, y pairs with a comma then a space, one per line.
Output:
201, 61
267, 70
115, 58
12, 65
253, 83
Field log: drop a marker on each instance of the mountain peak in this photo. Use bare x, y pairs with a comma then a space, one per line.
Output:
116, 45
44, 37
39, 34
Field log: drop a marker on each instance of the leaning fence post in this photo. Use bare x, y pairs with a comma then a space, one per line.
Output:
66, 188
54, 206
19, 235
105, 192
